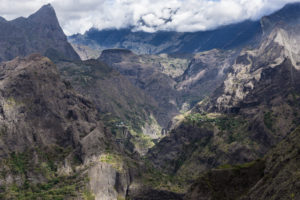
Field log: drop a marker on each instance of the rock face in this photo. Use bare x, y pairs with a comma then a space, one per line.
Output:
227, 37
86, 52
123, 106
52, 138
38, 108
39, 33
206, 71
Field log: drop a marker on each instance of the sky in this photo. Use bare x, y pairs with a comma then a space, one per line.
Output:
78, 16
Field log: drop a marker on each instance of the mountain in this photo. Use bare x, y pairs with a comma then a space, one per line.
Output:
225, 37
39, 33
255, 108
119, 102
230, 117
145, 75
115, 97
53, 145
276, 176
54, 142
289, 14
175, 82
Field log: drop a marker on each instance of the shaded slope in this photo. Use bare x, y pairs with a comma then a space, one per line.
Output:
275, 177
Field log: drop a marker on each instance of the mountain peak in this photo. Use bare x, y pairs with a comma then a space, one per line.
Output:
47, 8
40, 33
289, 14
2, 19
45, 14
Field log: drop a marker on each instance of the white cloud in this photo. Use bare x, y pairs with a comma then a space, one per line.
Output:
148, 15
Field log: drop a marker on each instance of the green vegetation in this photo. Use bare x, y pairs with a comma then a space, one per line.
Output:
115, 160
120, 198
123, 130
161, 181
88, 195
23, 166
269, 120
57, 188
229, 123
239, 166
18, 163
224, 123
141, 141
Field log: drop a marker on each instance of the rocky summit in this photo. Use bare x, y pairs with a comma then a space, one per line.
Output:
207, 115
39, 33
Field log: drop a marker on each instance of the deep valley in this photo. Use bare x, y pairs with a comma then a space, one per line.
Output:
120, 114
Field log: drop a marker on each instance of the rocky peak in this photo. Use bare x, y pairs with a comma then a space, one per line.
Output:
280, 45
39, 33
46, 14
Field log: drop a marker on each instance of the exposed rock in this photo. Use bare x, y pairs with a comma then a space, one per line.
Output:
107, 183
86, 52
125, 108
39, 33
48, 133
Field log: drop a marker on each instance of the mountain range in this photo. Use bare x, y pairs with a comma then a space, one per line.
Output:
226, 37
119, 114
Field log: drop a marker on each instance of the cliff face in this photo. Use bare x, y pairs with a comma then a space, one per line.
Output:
125, 108
39, 33
34, 96
53, 144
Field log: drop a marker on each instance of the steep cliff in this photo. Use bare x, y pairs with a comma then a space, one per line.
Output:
124, 107
53, 144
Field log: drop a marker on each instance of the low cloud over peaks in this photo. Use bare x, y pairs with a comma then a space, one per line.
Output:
77, 16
